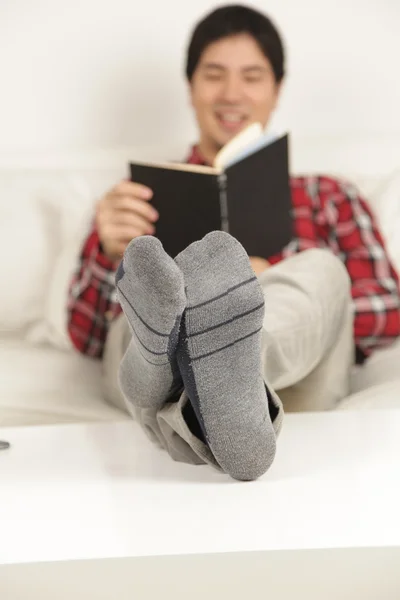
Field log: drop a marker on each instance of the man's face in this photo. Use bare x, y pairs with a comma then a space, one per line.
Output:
232, 86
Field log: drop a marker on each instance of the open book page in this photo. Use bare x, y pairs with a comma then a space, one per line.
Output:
265, 140
176, 166
237, 144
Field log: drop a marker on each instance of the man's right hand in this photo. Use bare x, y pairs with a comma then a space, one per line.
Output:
122, 215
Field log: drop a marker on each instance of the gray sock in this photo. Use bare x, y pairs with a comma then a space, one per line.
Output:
151, 292
219, 355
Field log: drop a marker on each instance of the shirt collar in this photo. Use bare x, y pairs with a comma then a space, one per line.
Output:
195, 157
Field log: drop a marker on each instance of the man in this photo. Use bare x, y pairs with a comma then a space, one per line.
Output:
203, 361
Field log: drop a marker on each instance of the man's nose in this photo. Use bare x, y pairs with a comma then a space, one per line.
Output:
232, 92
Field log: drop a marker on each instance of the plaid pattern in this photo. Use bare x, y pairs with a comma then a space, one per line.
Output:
327, 213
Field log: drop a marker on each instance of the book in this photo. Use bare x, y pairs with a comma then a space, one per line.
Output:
246, 193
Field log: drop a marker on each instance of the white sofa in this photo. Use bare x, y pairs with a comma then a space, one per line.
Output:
45, 207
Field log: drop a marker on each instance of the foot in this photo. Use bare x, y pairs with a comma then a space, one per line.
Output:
151, 292
219, 354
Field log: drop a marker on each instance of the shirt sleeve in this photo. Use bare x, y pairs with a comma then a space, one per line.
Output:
375, 284
92, 300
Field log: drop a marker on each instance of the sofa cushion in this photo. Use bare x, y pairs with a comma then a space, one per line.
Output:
381, 367
43, 217
383, 396
27, 234
42, 385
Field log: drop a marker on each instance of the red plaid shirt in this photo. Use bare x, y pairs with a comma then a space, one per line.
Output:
327, 214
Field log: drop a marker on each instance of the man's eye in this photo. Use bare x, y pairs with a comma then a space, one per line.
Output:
252, 78
213, 76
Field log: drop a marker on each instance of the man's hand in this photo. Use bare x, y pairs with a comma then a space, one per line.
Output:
122, 215
259, 265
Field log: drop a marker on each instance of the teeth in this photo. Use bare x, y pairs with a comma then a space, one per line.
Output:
231, 118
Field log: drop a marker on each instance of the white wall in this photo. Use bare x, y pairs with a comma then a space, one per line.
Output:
91, 73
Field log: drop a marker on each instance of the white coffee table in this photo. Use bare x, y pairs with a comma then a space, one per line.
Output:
97, 512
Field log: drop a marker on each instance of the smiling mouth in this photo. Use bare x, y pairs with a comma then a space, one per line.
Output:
231, 120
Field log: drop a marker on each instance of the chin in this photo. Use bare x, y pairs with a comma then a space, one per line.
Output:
224, 138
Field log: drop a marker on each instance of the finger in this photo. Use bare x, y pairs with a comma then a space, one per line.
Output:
135, 205
121, 233
124, 218
130, 188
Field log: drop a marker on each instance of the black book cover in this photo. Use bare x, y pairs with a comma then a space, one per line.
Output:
259, 200
188, 203
255, 192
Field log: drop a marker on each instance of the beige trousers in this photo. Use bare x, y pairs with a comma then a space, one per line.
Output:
307, 348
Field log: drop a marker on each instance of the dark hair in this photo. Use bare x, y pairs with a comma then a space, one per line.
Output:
232, 20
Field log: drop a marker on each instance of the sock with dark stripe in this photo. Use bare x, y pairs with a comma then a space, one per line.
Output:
219, 354
151, 292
